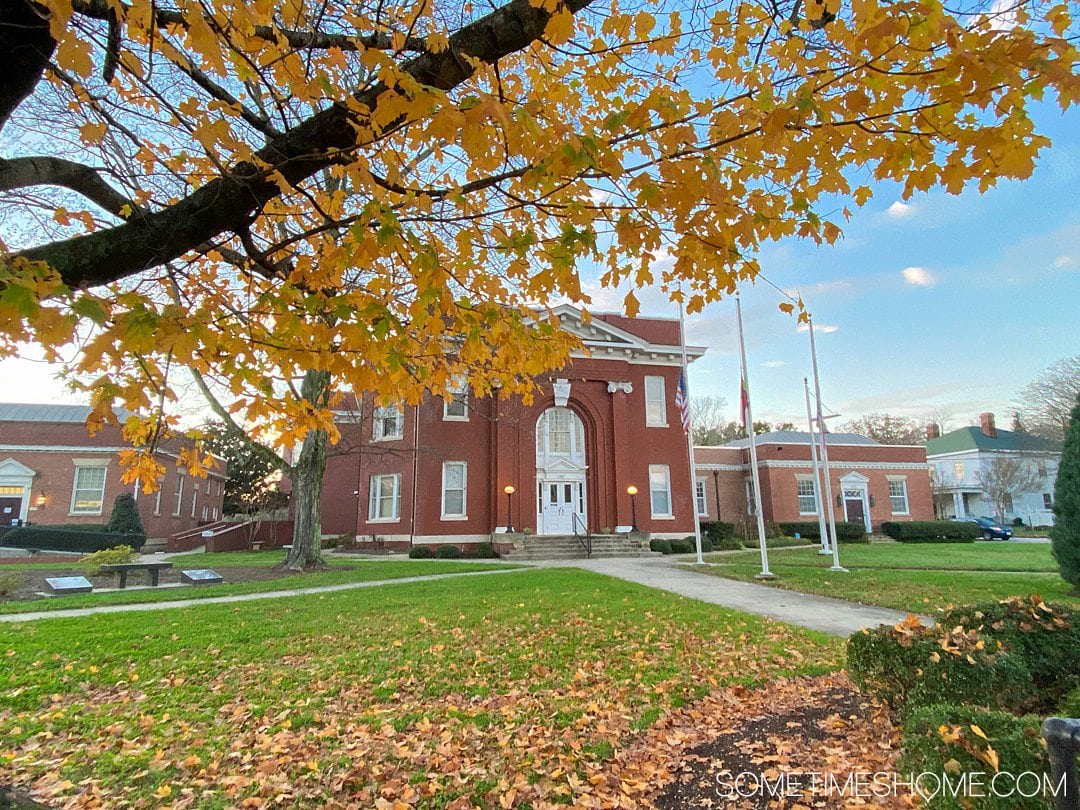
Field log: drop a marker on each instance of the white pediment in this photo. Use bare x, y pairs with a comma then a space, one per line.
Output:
854, 478
560, 465
11, 467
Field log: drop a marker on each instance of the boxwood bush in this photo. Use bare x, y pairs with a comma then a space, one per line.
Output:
78, 540
448, 553
846, 531
931, 531
663, 546
910, 665
421, 553
942, 739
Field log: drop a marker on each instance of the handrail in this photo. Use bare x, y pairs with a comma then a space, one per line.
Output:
586, 539
1063, 745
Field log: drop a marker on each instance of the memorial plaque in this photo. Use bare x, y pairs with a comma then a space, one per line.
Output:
201, 576
65, 585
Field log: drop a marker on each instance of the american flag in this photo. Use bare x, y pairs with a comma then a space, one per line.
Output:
682, 402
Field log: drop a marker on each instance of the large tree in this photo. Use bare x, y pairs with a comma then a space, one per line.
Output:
1047, 401
1003, 478
887, 429
295, 199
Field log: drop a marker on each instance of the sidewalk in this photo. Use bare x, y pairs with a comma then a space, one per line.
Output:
834, 616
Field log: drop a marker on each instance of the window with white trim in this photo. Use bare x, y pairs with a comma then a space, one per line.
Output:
660, 490
205, 512
456, 403
384, 496
157, 498
898, 500
699, 498
958, 470
209, 484
388, 423
454, 477
804, 488
655, 403
1048, 500
194, 498
751, 503
179, 505
220, 487
88, 490
214, 515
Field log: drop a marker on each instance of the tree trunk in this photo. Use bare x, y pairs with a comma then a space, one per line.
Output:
307, 480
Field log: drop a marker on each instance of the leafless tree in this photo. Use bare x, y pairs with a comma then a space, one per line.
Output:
943, 417
1003, 478
707, 413
1046, 402
887, 429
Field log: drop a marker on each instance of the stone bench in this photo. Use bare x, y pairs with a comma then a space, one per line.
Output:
155, 569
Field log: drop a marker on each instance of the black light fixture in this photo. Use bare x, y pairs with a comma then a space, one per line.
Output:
632, 492
509, 490
839, 498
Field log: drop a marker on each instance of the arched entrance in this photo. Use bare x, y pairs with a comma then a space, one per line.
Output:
560, 472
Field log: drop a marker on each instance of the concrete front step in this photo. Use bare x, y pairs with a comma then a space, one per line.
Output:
568, 547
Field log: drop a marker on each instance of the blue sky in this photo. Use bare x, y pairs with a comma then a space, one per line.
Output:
991, 295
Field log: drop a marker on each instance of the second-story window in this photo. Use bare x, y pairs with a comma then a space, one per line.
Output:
389, 423
655, 406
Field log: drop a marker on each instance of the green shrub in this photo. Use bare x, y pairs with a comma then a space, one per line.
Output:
1045, 636
421, 553
663, 546
91, 563
10, 581
78, 540
1018, 522
706, 543
846, 531
1065, 534
942, 739
1070, 706
124, 518
910, 665
717, 531
486, 551
931, 531
448, 553
683, 546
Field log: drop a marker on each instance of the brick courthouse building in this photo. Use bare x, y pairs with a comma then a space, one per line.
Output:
438, 472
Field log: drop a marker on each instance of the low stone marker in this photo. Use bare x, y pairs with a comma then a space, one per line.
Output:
201, 576
65, 585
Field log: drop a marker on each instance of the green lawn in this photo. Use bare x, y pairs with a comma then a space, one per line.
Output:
358, 570
923, 578
514, 688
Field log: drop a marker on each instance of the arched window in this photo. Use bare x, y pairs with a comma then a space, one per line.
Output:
560, 434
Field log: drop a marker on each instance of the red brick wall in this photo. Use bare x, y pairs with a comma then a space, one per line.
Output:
55, 477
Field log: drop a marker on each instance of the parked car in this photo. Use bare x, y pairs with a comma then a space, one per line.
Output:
990, 528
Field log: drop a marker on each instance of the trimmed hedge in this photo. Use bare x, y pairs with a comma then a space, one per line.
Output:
717, 530
421, 553
77, 540
941, 739
910, 665
448, 553
486, 551
846, 531
663, 546
1045, 636
931, 531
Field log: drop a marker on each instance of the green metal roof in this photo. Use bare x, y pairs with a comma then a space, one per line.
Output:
973, 438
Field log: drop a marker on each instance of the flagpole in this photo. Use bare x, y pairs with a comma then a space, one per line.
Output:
824, 455
824, 534
690, 438
749, 419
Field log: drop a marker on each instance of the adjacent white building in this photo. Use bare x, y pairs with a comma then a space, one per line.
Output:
957, 458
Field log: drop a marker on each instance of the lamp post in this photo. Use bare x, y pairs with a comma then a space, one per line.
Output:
509, 490
632, 492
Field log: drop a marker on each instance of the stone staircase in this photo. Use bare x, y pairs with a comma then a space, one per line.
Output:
528, 548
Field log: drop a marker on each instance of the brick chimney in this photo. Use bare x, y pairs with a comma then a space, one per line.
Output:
988, 426
933, 431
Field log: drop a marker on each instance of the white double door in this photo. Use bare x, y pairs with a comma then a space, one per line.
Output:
558, 502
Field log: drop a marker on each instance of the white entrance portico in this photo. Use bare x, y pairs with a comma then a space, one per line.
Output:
560, 472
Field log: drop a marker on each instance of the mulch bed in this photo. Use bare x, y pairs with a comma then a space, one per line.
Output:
799, 743
34, 579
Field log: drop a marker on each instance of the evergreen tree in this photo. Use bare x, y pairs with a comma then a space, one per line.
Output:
125, 516
1066, 532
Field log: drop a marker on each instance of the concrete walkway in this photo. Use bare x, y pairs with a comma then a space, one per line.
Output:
239, 597
834, 616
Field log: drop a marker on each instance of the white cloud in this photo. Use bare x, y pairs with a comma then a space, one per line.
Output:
919, 277
900, 210
775, 363
820, 328
1061, 262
